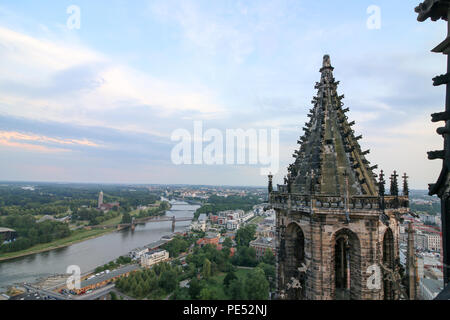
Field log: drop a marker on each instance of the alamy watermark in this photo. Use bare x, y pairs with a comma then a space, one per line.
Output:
74, 281
74, 20
235, 147
374, 20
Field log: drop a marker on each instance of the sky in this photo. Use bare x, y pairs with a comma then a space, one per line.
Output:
99, 103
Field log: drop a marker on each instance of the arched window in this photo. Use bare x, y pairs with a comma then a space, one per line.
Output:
347, 266
295, 259
388, 261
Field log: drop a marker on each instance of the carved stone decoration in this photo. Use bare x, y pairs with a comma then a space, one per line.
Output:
434, 9
326, 61
439, 9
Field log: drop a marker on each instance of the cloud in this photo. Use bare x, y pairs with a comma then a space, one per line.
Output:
62, 82
40, 143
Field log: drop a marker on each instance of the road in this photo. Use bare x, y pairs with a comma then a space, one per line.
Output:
97, 293
44, 292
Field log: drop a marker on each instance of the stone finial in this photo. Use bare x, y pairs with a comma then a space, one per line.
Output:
405, 185
326, 61
394, 184
270, 183
381, 187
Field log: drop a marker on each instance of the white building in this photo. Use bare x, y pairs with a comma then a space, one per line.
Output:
232, 225
154, 257
198, 226
247, 217
138, 253
434, 241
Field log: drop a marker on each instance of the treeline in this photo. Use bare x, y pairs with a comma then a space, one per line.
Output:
434, 208
123, 260
216, 204
155, 283
35, 209
94, 216
31, 233
52, 199
180, 244
153, 212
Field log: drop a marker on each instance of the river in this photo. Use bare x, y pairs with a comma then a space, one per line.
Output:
91, 253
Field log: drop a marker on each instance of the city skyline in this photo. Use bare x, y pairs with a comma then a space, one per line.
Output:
98, 104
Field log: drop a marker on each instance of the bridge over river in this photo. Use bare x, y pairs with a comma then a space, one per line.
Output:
145, 220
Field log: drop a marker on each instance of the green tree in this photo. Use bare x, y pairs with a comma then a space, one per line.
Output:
228, 278
168, 281
208, 294
256, 285
227, 243
206, 272
236, 290
195, 286
126, 218
269, 257
270, 272
245, 234
181, 294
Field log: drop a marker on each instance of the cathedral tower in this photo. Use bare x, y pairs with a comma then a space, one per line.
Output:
337, 231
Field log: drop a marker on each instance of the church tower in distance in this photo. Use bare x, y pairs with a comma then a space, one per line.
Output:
337, 231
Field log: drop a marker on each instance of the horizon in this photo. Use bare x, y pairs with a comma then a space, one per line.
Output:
36, 183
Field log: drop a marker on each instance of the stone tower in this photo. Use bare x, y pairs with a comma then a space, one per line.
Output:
337, 232
100, 199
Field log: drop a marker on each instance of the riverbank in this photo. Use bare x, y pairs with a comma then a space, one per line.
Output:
77, 237
88, 253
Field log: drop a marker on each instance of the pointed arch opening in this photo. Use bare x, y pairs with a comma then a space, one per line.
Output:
347, 266
389, 262
295, 259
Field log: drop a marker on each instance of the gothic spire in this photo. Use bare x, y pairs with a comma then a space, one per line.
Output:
329, 146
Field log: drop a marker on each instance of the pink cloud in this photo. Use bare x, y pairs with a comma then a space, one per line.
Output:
18, 140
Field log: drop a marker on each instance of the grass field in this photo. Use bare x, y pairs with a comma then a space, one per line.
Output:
113, 221
77, 236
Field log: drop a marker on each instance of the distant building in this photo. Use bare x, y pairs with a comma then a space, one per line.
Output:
105, 279
434, 241
153, 257
265, 231
100, 199
232, 225
421, 241
109, 206
214, 218
430, 288
198, 226
7, 234
247, 216
137, 254
261, 245
211, 238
